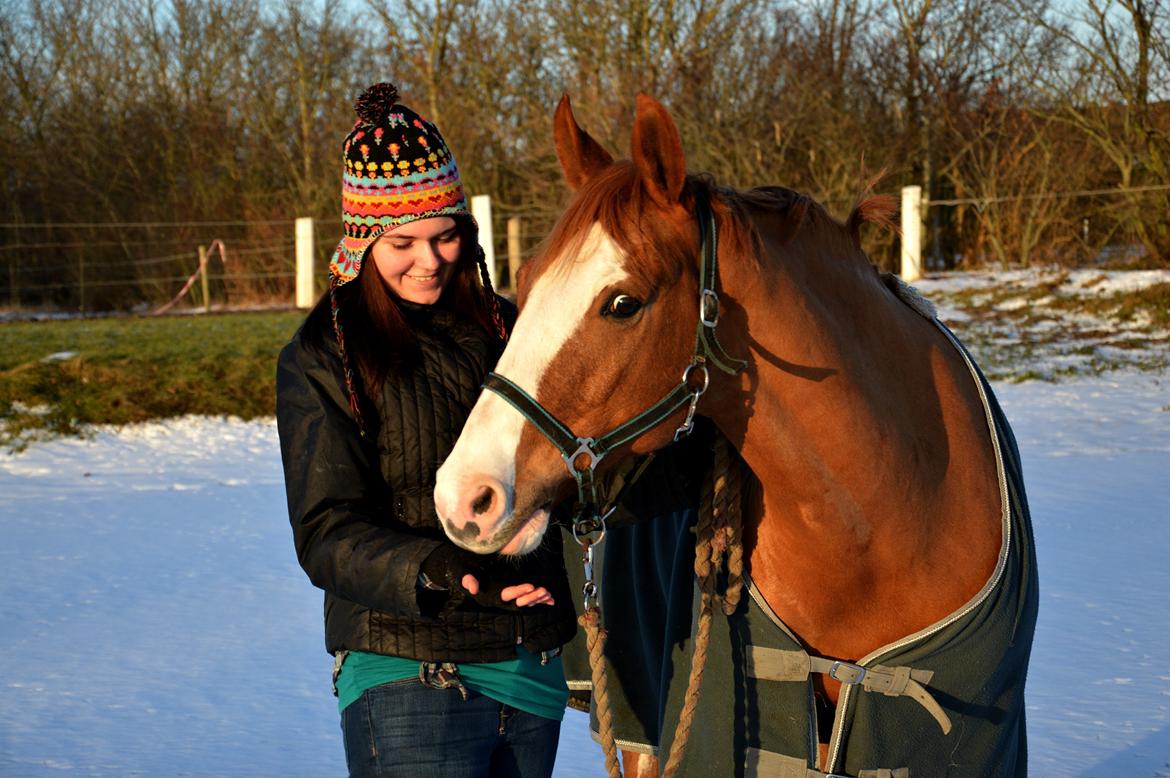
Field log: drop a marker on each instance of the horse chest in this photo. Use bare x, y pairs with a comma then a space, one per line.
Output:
948, 698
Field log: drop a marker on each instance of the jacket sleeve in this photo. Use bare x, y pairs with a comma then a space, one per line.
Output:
336, 493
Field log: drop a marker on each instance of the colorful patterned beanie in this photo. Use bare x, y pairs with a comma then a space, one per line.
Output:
397, 170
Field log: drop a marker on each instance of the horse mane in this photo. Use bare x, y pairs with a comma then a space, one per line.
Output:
616, 200
876, 209
794, 209
779, 199
871, 208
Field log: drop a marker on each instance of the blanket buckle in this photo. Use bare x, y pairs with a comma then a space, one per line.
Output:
847, 672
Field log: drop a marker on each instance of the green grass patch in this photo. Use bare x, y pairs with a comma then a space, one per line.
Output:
58, 377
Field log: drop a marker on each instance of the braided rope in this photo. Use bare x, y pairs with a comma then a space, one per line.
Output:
732, 527
595, 641
346, 367
718, 540
718, 535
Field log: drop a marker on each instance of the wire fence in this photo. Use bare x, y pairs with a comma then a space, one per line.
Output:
138, 266
1082, 193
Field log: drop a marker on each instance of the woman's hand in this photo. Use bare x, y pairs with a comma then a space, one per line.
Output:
521, 595
486, 580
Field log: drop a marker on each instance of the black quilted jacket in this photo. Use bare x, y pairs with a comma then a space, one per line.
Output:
362, 510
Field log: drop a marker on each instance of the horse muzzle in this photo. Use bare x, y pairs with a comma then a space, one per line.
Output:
477, 514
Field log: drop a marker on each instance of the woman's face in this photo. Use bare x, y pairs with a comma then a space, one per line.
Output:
417, 259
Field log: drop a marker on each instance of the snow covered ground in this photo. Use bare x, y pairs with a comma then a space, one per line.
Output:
153, 620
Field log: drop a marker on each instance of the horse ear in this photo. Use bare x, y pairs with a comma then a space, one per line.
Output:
581, 157
657, 151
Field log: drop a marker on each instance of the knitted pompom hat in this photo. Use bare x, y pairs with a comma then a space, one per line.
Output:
397, 170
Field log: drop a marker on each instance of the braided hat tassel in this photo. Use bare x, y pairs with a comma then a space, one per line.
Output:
493, 303
355, 406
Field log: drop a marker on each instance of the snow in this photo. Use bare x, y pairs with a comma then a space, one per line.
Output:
153, 617
1053, 323
1096, 456
154, 621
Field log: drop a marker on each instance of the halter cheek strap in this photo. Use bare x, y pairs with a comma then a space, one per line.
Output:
582, 454
706, 343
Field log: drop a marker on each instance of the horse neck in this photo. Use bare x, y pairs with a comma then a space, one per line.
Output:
823, 378
849, 414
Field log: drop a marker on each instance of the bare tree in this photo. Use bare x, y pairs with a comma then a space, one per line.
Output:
1112, 58
231, 110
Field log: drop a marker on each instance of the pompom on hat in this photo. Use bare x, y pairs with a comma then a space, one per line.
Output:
397, 169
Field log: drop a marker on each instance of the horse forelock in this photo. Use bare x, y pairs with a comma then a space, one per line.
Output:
656, 248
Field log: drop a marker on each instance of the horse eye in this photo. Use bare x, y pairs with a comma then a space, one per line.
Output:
622, 306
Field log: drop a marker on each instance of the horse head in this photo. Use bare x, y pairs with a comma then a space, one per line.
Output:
608, 314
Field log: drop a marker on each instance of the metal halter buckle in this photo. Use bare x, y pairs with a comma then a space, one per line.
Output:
709, 308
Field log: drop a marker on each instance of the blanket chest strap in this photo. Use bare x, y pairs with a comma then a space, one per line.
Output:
773, 664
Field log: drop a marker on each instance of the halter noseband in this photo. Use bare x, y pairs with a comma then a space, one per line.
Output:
583, 454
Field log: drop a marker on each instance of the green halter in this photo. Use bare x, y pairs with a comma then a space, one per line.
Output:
583, 454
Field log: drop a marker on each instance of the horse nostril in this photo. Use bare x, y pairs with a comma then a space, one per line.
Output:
483, 502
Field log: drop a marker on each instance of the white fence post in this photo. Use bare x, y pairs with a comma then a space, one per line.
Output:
911, 233
513, 251
481, 209
306, 289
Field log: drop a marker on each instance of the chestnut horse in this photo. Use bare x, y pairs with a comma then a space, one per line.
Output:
888, 508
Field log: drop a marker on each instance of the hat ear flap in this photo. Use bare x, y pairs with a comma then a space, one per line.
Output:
657, 151
581, 157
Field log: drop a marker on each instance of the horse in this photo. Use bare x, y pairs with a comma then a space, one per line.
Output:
888, 546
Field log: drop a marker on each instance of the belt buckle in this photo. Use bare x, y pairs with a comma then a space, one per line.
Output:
856, 673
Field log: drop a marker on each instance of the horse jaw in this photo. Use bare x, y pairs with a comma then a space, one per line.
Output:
491, 496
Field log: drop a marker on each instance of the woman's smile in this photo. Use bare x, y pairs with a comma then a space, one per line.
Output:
417, 259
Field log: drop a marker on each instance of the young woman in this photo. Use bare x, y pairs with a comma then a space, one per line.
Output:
446, 663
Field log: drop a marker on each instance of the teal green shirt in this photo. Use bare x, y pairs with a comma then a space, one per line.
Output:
523, 682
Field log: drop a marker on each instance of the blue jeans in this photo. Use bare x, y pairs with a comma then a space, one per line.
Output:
407, 729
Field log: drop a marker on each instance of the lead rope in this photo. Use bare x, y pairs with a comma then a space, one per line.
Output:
595, 634
718, 539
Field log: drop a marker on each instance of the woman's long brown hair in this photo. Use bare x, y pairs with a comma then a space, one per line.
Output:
378, 338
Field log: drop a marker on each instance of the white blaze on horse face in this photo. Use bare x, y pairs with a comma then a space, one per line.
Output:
484, 457
557, 304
